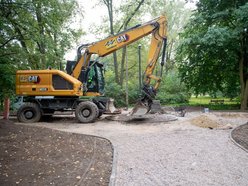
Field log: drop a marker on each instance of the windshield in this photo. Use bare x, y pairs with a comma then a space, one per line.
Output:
95, 79
100, 78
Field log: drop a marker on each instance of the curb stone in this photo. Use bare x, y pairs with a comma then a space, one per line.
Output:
112, 180
237, 144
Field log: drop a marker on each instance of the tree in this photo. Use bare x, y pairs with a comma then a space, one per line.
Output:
34, 35
173, 90
177, 17
124, 26
109, 5
131, 13
213, 55
126, 19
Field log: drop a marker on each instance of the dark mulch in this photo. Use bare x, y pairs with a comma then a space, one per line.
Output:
240, 135
40, 156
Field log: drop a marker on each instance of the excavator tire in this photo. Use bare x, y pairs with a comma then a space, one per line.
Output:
29, 113
87, 112
100, 114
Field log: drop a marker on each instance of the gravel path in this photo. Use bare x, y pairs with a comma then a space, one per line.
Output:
172, 153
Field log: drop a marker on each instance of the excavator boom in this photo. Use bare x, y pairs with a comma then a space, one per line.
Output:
158, 28
79, 90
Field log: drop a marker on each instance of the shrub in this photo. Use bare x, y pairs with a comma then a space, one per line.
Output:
172, 91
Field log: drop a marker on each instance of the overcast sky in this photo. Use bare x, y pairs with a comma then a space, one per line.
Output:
93, 14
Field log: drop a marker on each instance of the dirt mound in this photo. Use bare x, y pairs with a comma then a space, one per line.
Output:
204, 122
209, 121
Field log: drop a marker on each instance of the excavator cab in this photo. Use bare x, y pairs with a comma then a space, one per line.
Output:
92, 77
82, 87
95, 79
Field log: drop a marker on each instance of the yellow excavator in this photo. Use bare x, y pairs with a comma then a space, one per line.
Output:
81, 88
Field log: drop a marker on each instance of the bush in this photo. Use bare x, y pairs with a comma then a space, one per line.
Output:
113, 90
172, 91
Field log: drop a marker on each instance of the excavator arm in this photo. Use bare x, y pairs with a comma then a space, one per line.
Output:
157, 27
47, 91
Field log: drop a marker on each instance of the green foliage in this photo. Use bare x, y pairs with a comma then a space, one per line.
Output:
172, 90
177, 15
34, 35
113, 90
203, 101
213, 45
133, 91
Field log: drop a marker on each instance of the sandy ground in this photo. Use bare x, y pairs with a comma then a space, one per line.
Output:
194, 150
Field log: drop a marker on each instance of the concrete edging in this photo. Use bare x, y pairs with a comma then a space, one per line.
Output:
237, 144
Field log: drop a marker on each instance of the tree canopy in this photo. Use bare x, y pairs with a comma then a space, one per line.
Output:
34, 35
213, 54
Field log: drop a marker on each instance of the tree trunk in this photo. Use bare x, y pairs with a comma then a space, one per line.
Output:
243, 84
41, 42
123, 56
169, 63
6, 108
116, 68
109, 5
56, 61
124, 49
243, 72
127, 95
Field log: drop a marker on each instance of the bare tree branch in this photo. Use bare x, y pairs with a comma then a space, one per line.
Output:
6, 42
131, 16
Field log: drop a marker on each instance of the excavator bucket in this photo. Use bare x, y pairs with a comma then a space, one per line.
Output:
139, 109
110, 108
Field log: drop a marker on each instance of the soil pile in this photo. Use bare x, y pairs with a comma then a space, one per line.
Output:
40, 156
204, 122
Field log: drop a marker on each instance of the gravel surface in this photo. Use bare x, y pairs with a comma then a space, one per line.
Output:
171, 153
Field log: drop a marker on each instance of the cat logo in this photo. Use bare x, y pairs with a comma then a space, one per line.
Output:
122, 38
29, 79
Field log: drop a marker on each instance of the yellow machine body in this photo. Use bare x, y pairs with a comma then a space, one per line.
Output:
156, 27
58, 83
47, 91
47, 83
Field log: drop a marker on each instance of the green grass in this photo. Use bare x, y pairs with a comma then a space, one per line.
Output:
205, 100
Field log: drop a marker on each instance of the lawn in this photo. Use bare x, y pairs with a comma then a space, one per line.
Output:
205, 102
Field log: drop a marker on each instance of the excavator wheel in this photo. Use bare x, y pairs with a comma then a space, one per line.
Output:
87, 112
29, 113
